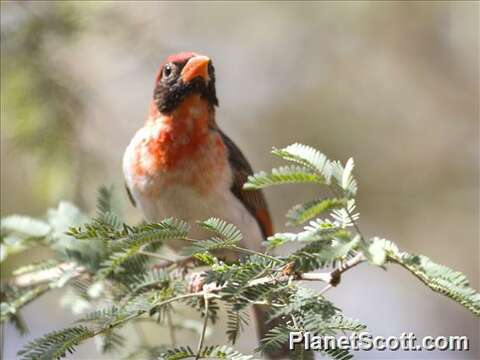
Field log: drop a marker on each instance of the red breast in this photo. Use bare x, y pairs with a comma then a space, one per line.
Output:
181, 142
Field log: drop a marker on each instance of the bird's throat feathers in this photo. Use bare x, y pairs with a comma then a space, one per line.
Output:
180, 135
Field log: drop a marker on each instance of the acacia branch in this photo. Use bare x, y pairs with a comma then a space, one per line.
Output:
204, 328
332, 278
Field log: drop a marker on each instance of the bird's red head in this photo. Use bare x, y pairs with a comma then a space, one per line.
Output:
181, 75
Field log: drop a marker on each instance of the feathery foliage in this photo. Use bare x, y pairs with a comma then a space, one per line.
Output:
301, 213
437, 277
55, 344
283, 175
115, 274
208, 352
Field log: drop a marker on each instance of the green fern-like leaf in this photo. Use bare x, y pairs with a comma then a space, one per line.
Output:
223, 229
306, 156
157, 278
103, 317
304, 212
299, 353
321, 254
437, 277
320, 229
146, 352
344, 177
105, 211
306, 301
247, 268
125, 249
105, 227
275, 339
111, 341
226, 236
212, 244
178, 353
282, 175
346, 216
236, 321
237, 276
337, 354
55, 344
317, 323
208, 352
317, 230
104, 200
225, 352
16, 298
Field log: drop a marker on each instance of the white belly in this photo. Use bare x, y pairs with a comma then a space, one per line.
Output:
184, 203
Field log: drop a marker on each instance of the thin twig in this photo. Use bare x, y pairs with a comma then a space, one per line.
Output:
311, 276
333, 278
325, 289
350, 263
204, 329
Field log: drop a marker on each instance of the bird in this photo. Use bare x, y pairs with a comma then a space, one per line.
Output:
181, 164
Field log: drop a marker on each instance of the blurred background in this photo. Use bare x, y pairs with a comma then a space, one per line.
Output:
395, 85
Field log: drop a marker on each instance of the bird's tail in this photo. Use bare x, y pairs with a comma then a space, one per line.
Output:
263, 326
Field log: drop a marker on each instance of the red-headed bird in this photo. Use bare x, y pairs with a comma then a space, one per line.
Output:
180, 164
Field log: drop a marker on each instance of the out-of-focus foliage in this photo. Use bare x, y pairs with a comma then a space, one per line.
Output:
115, 269
42, 106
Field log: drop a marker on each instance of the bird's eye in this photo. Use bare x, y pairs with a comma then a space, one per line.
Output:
167, 70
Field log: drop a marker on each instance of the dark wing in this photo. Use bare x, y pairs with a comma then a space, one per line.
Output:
253, 200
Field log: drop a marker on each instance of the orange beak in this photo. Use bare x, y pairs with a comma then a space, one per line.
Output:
197, 66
